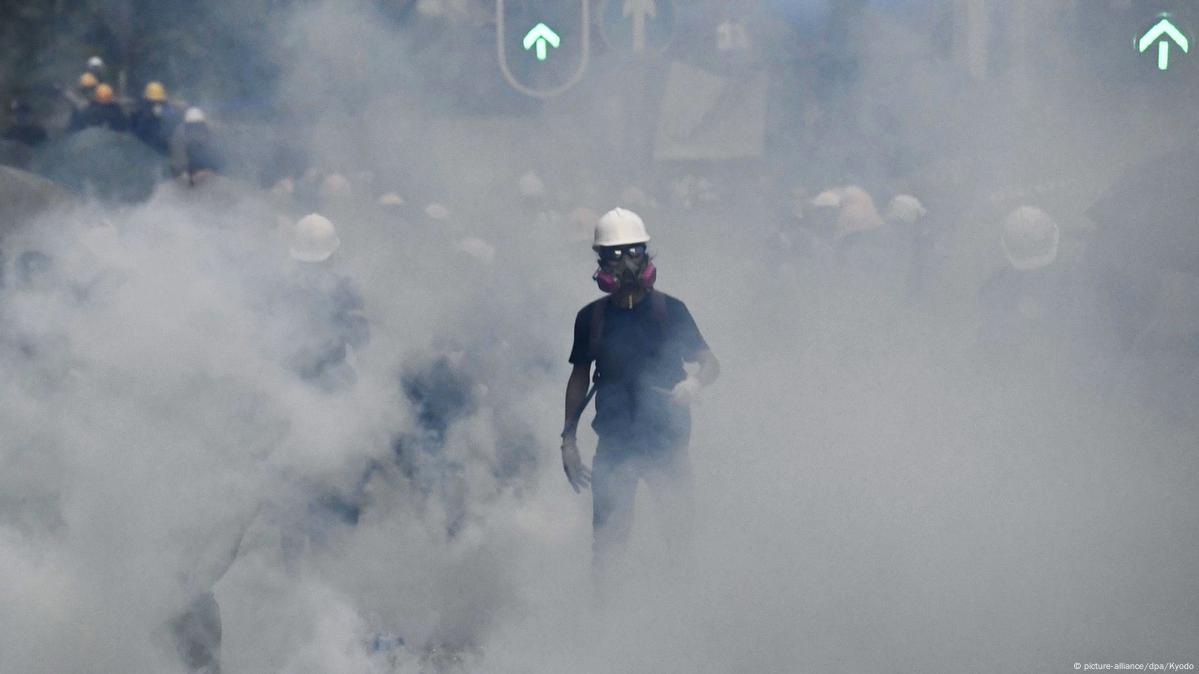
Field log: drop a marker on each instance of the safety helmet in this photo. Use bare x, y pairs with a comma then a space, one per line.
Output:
87, 81
906, 208
438, 211
619, 227
827, 199
102, 94
334, 187
391, 199
155, 92
858, 213
194, 115
314, 239
1030, 238
283, 187
95, 63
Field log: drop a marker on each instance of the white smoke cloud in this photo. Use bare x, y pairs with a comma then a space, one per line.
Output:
867, 500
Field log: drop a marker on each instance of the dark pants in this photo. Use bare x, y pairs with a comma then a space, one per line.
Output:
197, 633
620, 463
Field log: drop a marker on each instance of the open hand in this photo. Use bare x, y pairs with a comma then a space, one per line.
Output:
685, 392
577, 474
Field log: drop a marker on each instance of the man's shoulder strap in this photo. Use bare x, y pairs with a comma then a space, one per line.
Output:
597, 325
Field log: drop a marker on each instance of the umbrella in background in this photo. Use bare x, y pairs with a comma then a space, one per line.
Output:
24, 195
102, 163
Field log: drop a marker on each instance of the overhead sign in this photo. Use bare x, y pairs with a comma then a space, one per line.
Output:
708, 117
1163, 33
637, 27
541, 35
543, 46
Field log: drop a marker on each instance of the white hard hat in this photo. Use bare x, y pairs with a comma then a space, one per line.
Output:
619, 227
827, 199
858, 213
531, 186
335, 186
95, 62
391, 199
906, 208
1030, 238
283, 187
315, 239
438, 211
194, 115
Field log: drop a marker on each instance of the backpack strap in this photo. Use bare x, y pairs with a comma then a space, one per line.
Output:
597, 326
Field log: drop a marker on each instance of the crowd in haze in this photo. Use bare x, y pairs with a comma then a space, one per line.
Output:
844, 281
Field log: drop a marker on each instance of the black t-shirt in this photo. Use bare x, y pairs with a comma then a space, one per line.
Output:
640, 358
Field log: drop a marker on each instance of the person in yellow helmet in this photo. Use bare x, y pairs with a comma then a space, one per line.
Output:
87, 83
155, 92
155, 119
102, 111
80, 96
103, 94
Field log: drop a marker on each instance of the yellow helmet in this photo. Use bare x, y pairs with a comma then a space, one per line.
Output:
88, 80
103, 93
155, 92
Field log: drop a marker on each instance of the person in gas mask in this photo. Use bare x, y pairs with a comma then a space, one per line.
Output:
639, 339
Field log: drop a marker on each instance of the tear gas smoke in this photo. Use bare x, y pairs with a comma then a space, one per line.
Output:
872, 493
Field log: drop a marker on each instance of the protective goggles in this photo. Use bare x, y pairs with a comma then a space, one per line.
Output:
618, 253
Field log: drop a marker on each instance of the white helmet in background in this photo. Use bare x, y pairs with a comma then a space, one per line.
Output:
1030, 238
858, 213
391, 199
438, 211
335, 186
619, 227
827, 199
95, 63
906, 208
194, 115
315, 239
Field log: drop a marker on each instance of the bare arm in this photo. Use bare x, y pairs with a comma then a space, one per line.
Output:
577, 474
576, 391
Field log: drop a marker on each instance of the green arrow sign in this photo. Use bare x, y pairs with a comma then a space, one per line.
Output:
538, 37
1164, 29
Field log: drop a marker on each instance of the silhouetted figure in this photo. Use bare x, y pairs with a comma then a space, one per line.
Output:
24, 129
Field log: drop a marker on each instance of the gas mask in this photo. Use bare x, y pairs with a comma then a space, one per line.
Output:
624, 267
